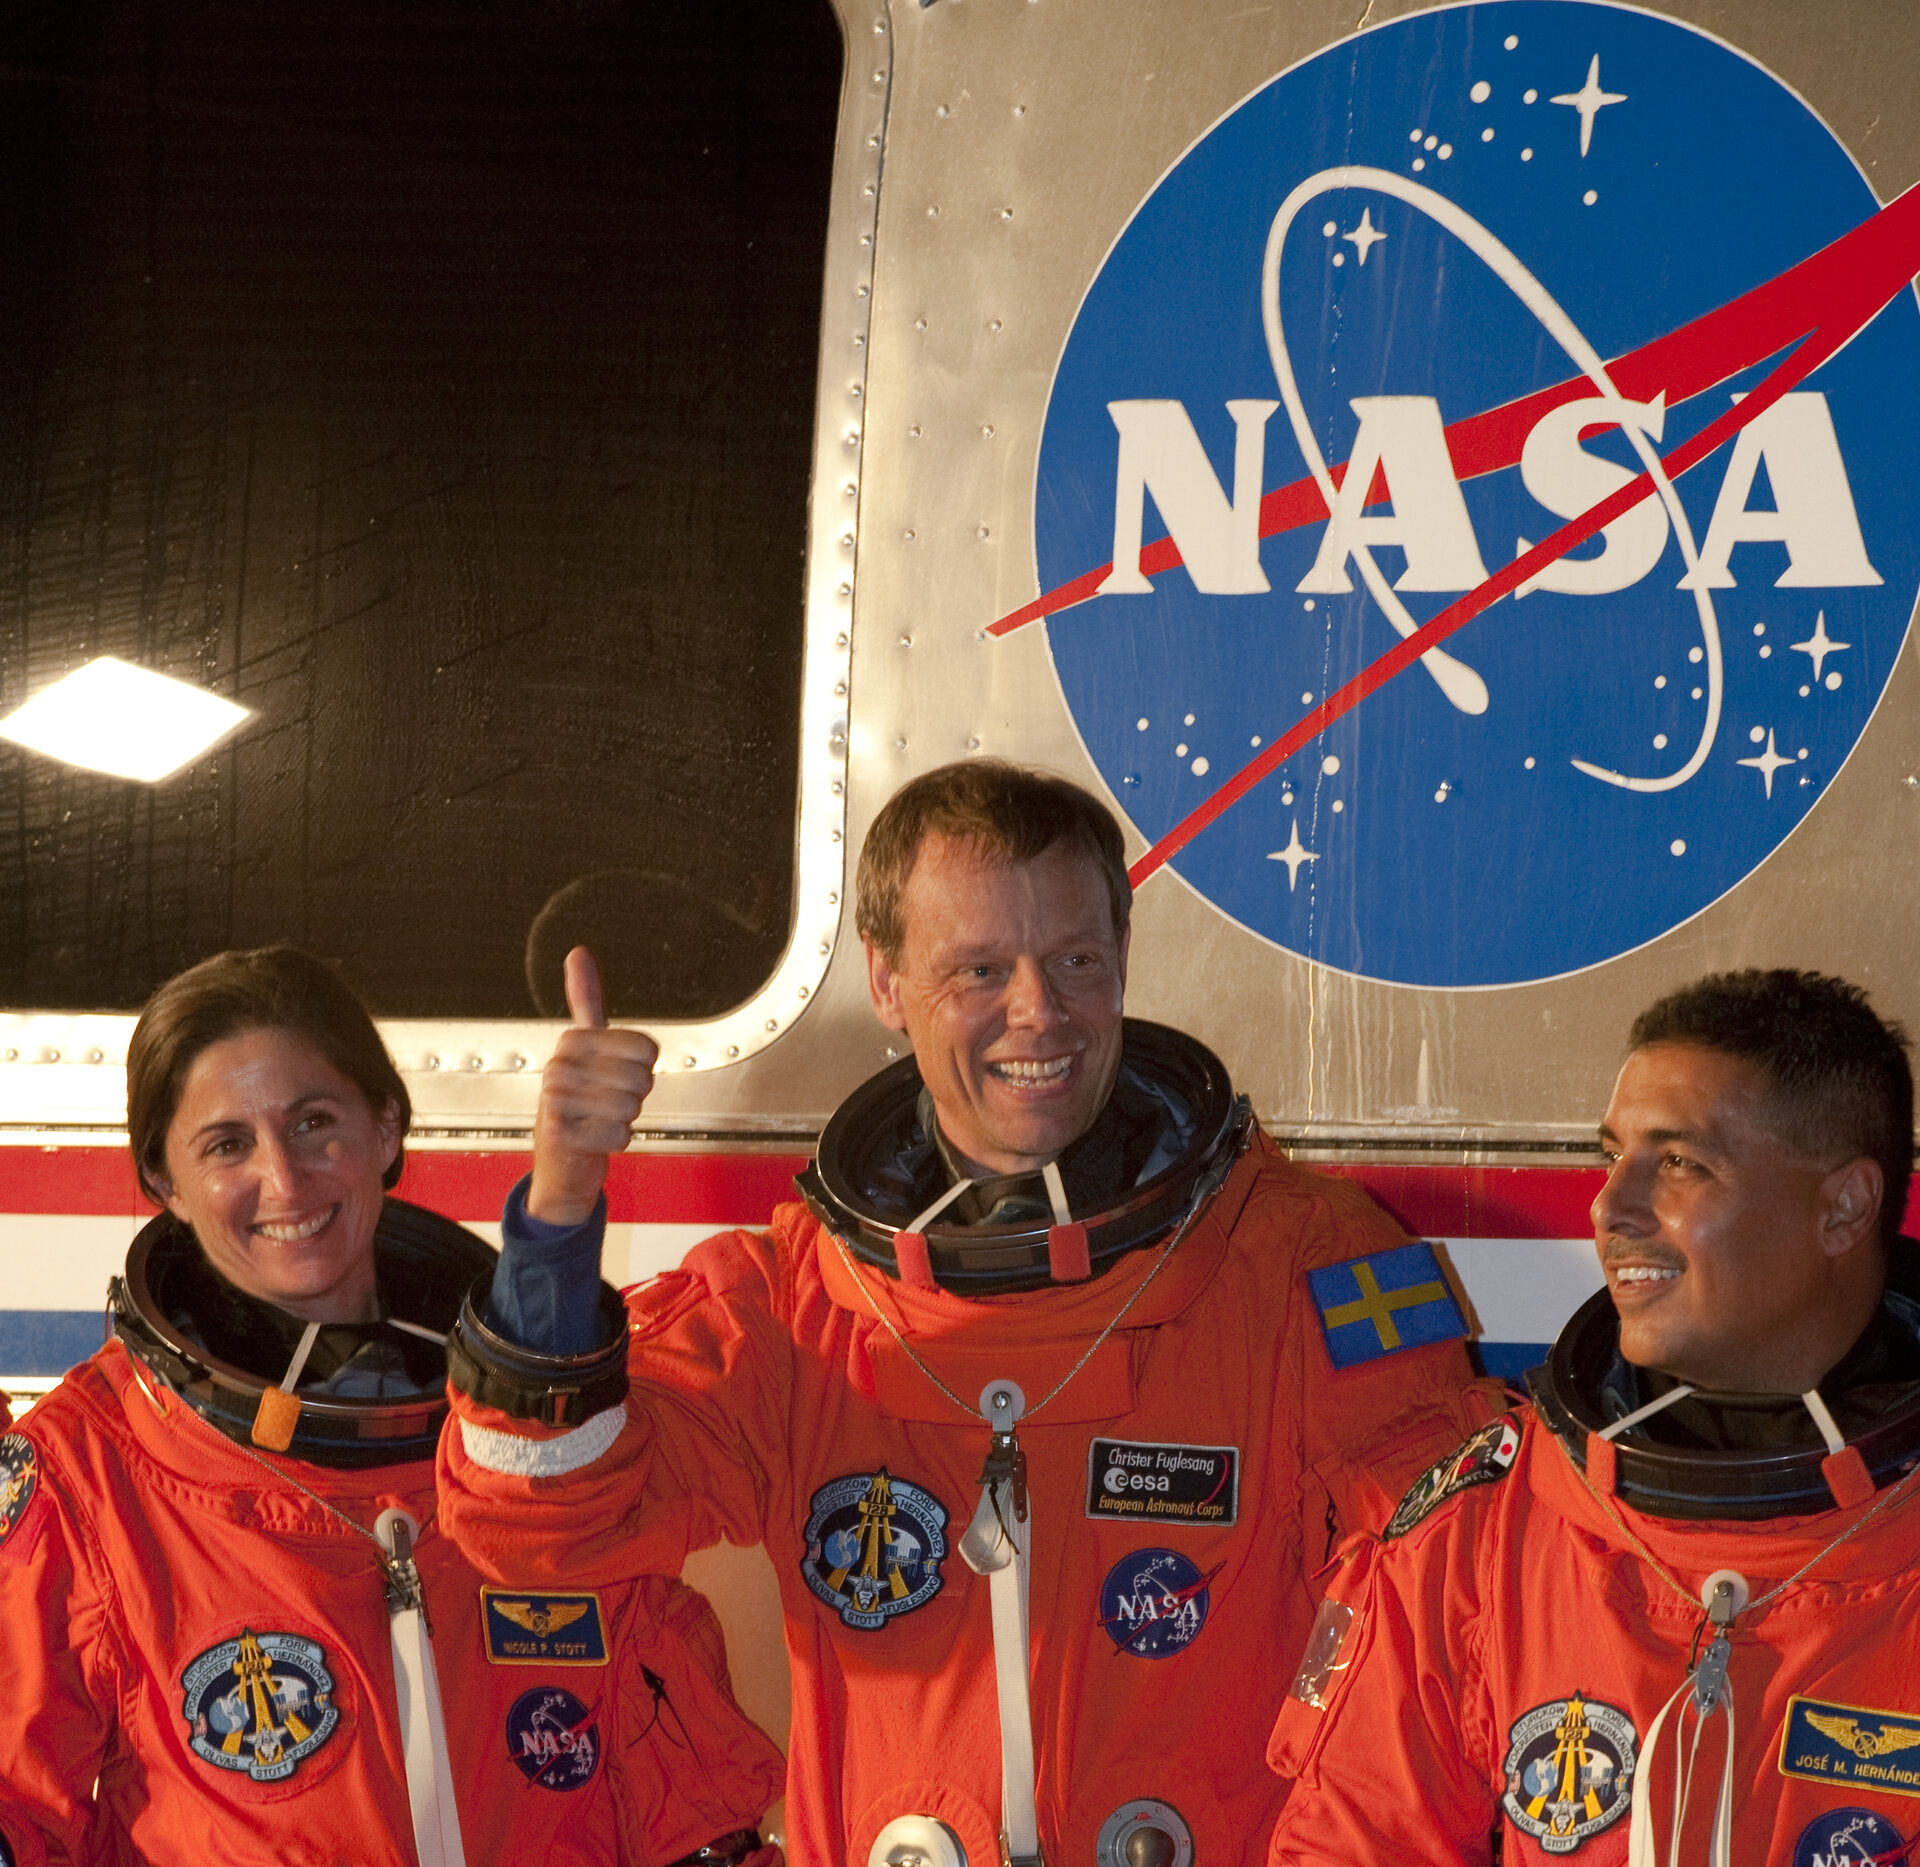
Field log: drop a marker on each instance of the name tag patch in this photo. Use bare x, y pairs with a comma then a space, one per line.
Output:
543, 1630
1852, 1744
1132, 1479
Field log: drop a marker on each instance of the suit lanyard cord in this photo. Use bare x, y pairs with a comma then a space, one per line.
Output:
423, 1731
998, 1539
1707, 1688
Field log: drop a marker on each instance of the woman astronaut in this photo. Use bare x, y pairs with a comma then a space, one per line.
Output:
229, 1630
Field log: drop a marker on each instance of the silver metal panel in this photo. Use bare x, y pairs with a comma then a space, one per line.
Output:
991, 152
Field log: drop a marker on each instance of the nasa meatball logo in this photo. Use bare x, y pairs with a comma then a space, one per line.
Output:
1154, 1603
1386, 329
553, 1739
260, 1704
1569, 1772
874, 1545
1848, 1838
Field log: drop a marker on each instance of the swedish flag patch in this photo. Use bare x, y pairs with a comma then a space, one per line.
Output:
1378, 1305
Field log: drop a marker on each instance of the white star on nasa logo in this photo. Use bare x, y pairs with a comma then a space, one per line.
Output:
1295, 853
1366, 236
1819, 644
1589, 100
1767, 763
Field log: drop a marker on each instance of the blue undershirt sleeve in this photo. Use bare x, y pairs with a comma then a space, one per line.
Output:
546, 1287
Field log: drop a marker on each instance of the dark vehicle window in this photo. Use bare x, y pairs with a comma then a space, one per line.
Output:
437, 380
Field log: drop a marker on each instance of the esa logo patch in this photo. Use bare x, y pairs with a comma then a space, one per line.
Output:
1569, 1772
1154, 1602
543, 1630
1851, 1744
1848, 1838
1488, 1455
262, 1703
553, 1739
874, 1547
1175, 1484
19, 1473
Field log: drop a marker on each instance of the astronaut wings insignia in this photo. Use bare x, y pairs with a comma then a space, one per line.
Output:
542, 1621
1828, 1743
1846, 1732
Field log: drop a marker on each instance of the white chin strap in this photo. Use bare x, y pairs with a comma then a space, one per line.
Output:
995, 1545
423, 1731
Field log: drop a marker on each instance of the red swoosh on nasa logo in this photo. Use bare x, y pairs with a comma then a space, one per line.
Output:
1685, 363
1826, 300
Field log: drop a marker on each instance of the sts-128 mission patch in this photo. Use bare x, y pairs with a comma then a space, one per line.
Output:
874, 1546
262, 1704
19, 1474
1569, 1771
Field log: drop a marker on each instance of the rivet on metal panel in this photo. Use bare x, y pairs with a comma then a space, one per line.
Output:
853, 437
840, 641
733, 1050
53, 1056
919, 324
933, 211
833, 836
879, 77
981, 532
1019, 110
986, 430
838, 787
846, 589
891, 1053
995, 325
854, 390
973, 745
868, 191
773, 1024
908, 534
687, 1063
839, 690
861, 291
873, 142
879, 29
1006, 213
899, 745
803, 992
859, 341
906, 641
940, 110
13, 1056
96, 1056
516, 1062
432, 1063
826, 947
846, 538
476, 1063
913, 433
851, 487
866, 239
833, 897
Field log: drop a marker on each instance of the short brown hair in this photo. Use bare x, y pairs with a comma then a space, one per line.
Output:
271, 988
1840, 1084
1005, 810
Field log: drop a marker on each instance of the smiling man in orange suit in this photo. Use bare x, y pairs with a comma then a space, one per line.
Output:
1681, 1591
1048, 1399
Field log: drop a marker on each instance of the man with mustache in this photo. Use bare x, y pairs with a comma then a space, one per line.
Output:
1674, 1603
1048, 1277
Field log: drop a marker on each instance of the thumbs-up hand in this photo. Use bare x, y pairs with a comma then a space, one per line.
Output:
591, 1094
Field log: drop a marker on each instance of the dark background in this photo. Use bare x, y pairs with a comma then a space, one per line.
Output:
438, 380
